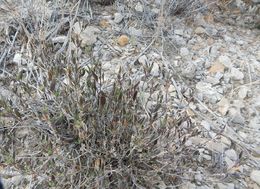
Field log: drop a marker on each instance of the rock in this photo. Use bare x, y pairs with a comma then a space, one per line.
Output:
195, 141
200, 30
225, 141
18, 58
77, 28
229, 163
217, 67
255, 176
189, 71
155, 70
207, 157
139, 7
254, 123
135, 32
242, 93
179, 32
231, 154
223, 106
216, 146
142, 60
244, 136
188, 185
225, 186
240, 42
107, 56
205, 88
178, 40
236, 116
236, 74
89, 36
212, 80
123, 40
225, 60
198, 177
228, 39
118, 17
104, 23
214, 50
258, 55
184, 52
206, 125
59, 39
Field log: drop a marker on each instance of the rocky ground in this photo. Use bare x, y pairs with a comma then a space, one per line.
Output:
206, 66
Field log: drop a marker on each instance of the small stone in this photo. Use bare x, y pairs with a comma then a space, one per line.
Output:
188, 185
104, 23
242, 93
179, 41
200, 30
230, 163
225, 60
258, 55
189, 71
88, 36
243, 135
240, 42
206, 125
231, 154
236, 74
225, 141
139, 7
179, 32
236, 116
207, 157
77, 28
216, 146
142, 59
118, 17
254, 123
107, 56
123, 40
228, 39
255, 176
225, 186
217, 67
17, 58
59, 39
135, 32
155, 70
184, 52
212, 80
223, 106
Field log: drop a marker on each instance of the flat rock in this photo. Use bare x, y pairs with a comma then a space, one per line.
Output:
242, 93
255, 176
223, 106
236, 74
225, 186
118, 17
225, 60
89, 36
231, 153
199, 30
139, 7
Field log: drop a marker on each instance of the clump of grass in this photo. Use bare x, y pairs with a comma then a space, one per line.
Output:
90, 132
